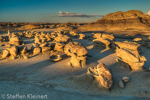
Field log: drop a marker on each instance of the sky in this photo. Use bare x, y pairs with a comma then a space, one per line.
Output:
60, 11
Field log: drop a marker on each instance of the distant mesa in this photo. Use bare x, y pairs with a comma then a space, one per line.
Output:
28, 26
132, 19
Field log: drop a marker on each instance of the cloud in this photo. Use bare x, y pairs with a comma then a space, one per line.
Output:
148, 12
64, 13
69, 14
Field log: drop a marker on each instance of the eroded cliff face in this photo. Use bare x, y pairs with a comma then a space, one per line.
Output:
132, 19
124, 15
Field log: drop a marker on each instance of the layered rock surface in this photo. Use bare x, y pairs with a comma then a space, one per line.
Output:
132, 19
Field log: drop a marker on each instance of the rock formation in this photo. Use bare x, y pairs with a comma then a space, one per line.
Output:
130, 58
15, 39
82, 36
103, 40
77, 52
132, 19
132, 46
104, 75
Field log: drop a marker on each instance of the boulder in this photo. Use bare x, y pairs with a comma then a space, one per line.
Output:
13, 50
36, 50
78, 54
125, 79
82, 36
138, 40
132, 58
104, 75
129, 45
121, 84
59, 47
102, 43
5, 53
62, 39
55, 58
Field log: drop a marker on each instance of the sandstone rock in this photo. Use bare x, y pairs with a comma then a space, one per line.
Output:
121, 84
36, 50
48, 36
125, 20
43, 39
37, 40
102, 43
53, 35
92, 71
13, 50
59, 47
25, 57
16, 40
104, 75
129, 45
5, 53
44, 49
77, 52
12, 57
43, 44
55, 58
22, 49
97, 35
127, 55
62, 39
138, 40
125, 79
35, 45
132, 19
108, 36
131, 57
82, 36
74, 34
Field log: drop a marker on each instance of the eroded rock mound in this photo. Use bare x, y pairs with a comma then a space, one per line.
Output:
103, 40
77, 52
132, 46
15, 39
104, 75
99, 77
130, 58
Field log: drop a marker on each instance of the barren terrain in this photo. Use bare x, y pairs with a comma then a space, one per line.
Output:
39, 75
61, 81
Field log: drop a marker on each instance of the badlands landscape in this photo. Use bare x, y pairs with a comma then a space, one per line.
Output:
105, 59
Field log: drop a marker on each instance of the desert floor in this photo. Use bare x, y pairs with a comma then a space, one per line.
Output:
38, 75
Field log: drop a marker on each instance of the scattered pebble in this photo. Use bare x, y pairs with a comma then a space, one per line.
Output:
121, 84
125, 79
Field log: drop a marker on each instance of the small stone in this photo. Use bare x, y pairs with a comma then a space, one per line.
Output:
121, 84
125, 79
55, 58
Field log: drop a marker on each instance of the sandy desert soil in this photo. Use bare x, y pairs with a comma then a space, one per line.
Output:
38, 75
